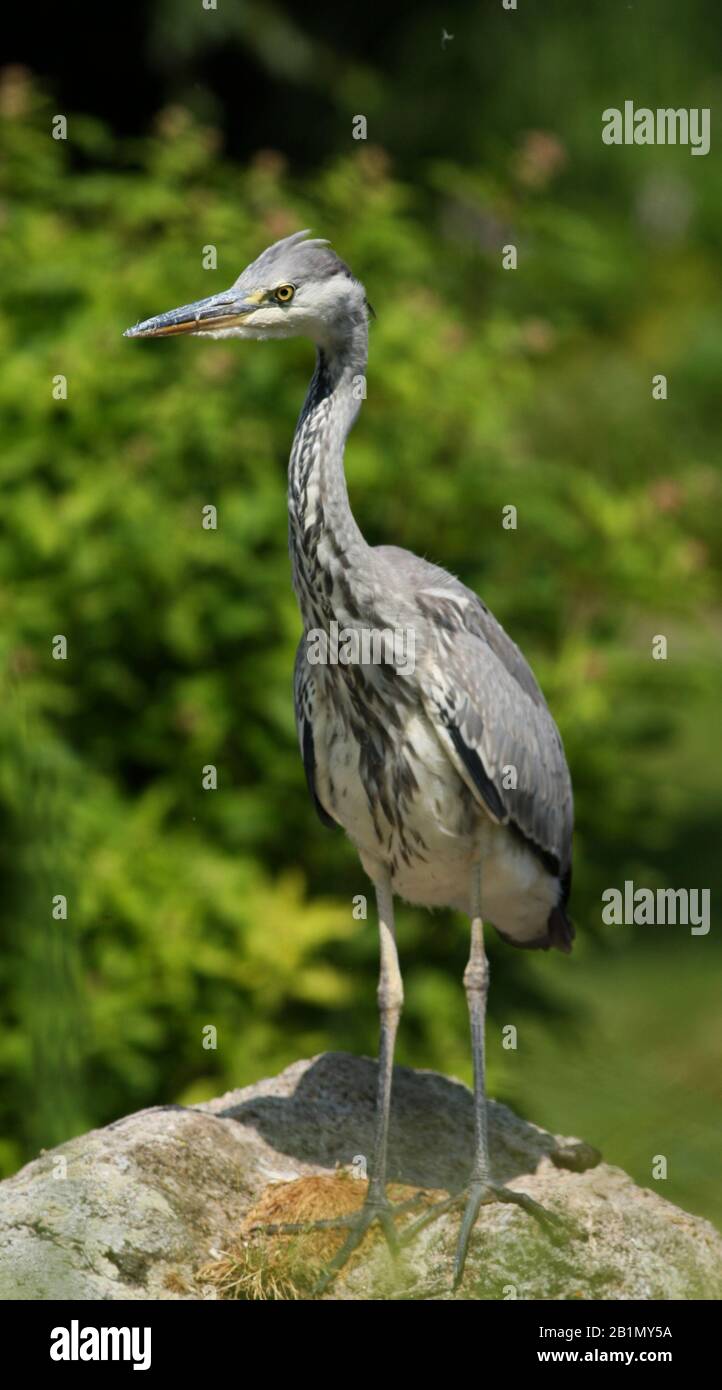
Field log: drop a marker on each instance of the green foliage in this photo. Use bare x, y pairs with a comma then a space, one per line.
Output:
486, 387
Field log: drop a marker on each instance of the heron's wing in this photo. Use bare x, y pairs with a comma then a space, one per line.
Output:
454, 603
489, 713
303, 700
505, 746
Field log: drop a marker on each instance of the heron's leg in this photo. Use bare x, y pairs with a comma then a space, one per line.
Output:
390, 997
481, 1190
376, 1207
476, 985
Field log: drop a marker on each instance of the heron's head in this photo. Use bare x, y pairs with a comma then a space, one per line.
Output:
296, 288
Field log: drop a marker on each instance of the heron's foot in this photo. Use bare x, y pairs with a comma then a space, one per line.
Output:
376, 1211
473, 1198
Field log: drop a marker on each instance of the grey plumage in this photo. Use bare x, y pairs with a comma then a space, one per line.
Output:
489, 694
485, 705
312, 256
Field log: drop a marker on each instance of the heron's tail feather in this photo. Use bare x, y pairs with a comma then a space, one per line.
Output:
560, 930
560, 933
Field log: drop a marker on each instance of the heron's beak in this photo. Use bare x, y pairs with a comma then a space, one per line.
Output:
226, 310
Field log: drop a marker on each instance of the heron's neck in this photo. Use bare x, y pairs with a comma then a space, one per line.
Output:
324, 540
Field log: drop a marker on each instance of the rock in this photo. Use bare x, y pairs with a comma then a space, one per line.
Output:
147, 1207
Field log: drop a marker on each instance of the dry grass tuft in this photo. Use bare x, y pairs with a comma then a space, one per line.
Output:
269, 1265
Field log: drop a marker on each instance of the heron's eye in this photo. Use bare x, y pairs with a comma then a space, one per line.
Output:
284, 294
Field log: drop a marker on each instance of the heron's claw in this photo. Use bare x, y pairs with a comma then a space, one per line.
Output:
357, 1223
477, 1195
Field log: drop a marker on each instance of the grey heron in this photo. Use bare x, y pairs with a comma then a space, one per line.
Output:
446, 772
